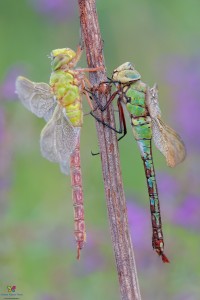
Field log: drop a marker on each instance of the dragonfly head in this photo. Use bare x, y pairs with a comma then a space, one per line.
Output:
61, 57
126, 73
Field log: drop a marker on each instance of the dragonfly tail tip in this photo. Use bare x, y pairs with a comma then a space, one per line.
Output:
164, 258
78, 253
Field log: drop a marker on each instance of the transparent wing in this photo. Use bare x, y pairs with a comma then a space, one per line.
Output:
152, 102
49, 113
168, 142
58, 139
65, 167
36, 97
165, 138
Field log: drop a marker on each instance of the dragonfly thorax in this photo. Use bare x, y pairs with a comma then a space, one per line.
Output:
67, 93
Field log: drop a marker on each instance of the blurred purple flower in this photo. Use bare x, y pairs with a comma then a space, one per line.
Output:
7, 88
188, 214
47, 297
93, 259
185, 296
169, 190
2, 126
184, 74
5, 160
168, 185
57, 238
4, 147
59, 10
139, 224
141, 231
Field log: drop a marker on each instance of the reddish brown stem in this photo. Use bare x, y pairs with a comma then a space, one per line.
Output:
114, 192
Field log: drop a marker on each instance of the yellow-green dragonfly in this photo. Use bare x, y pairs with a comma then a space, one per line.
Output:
60, 104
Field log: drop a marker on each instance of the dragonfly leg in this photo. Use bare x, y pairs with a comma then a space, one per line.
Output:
88, 83
82, 70
94, 154
87, 91
74, 61
104, 123
110, 100
122, 122
84, 90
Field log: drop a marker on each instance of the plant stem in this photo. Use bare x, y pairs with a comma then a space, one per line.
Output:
115, 198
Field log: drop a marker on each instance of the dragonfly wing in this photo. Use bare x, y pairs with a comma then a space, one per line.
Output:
65, 167
152, 102
36, 97
59, 139
49, 113
165, 138
168, 142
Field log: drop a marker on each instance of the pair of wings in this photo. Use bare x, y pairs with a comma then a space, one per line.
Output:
58, 138
165, 138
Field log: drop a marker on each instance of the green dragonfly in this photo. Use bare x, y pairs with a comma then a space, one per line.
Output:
143, 107
60, 104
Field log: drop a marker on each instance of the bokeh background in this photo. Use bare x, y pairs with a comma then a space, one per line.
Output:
37, 248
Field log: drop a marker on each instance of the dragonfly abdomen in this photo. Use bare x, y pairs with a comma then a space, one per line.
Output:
143, 134
77, 196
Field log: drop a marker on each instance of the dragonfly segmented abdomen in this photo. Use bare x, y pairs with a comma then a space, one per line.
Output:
142, 130
157, 235
77, 196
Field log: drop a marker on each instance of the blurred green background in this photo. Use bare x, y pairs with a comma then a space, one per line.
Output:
37, 248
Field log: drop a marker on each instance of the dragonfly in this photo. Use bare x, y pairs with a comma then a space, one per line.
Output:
142, 104
60, 104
